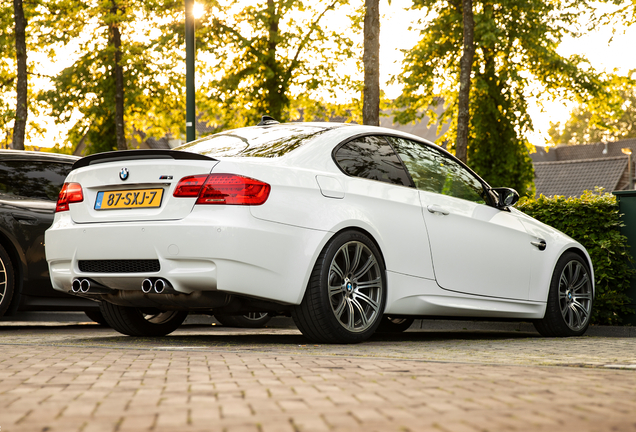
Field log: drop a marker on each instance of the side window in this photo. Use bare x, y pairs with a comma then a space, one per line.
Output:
32, 179
373, 158
433, 171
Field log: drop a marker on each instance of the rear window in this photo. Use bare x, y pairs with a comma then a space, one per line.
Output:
259, 141
32, 179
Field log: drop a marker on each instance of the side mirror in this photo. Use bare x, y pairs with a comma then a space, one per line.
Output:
506, 197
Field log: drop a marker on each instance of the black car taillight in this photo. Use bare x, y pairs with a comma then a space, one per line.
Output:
70, 193
228, 189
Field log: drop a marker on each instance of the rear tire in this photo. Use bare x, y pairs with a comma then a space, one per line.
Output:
570, 299
346, 294
7, 281
250, 320
394, 325
134, 322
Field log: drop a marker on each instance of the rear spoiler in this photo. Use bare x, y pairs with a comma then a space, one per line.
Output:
128, 155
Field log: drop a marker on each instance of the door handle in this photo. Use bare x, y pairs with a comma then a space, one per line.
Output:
540, 244
434, 208
25, 220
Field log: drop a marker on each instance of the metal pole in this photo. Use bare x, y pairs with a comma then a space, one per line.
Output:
191, 132
629, 172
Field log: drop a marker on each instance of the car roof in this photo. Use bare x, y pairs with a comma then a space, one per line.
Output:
36, 155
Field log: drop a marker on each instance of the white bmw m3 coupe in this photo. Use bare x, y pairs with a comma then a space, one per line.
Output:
347, 228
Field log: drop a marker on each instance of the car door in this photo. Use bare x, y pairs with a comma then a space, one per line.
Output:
28, 193
382, 190
476, 248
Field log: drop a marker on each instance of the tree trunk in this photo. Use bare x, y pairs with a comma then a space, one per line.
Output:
371, 60
466, 65
118, 70
19, 127
275, 97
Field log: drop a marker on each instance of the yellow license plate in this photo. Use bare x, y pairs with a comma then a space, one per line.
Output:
135, 198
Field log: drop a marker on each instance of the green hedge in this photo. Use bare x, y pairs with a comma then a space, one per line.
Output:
593, 220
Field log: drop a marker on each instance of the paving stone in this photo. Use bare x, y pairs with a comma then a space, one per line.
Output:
208, 379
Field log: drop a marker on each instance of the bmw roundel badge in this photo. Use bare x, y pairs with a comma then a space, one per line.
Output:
123, 174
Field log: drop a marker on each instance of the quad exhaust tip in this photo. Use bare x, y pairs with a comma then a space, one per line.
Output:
86, 286
160, 285
76, 286
146, 286
157, 286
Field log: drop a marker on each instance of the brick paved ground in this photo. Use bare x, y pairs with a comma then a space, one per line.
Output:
204, 378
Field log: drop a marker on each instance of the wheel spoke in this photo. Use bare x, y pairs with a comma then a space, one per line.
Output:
577, 271
564, 312
335, 268
581, 284
361, 296
356, 258
366, 268
363, 317
335, 290
375, 283
580, 309
583, 296
352, 321
576, 314
340, 309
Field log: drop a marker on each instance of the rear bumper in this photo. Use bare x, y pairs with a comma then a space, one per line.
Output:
213, 249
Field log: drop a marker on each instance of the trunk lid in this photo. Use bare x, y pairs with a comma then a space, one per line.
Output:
135, 185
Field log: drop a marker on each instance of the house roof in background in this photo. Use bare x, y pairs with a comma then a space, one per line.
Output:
583, 151
573, 177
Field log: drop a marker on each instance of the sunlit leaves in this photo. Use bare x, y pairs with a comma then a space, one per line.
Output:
84, 93
516, 45
610, 116
264, 56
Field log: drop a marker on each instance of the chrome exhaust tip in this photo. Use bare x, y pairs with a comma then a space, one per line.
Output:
76, 285
160, 285
85, 285
146, 286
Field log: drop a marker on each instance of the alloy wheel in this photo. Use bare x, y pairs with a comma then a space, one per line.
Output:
575, 295
355, 286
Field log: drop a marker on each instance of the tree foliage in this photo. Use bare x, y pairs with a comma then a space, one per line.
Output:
38, 37
625, 13
151, 89
263, 55
516, 44
608, 117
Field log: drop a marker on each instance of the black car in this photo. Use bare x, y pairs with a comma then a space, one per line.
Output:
29, 186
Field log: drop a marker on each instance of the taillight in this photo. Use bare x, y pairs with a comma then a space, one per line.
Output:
228, 189
190, 187
70, 193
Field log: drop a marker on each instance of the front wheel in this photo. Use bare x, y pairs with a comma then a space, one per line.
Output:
249, 320
346, 294
569, 307
137, 322
394, 324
